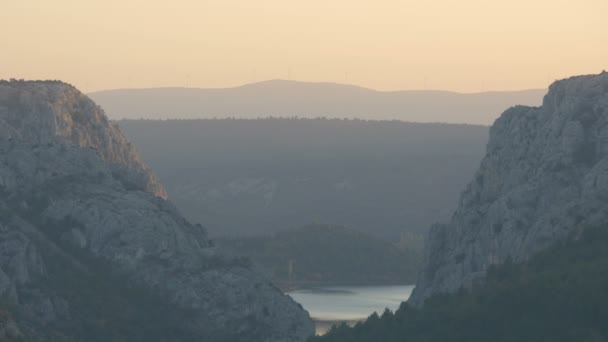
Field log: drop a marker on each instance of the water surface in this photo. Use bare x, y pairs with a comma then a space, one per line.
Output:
349, 303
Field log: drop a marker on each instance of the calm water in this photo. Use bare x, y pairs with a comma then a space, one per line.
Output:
349, 303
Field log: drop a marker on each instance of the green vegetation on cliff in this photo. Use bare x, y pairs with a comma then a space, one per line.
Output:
559, 295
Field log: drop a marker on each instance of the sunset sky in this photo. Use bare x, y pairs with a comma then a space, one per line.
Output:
464, 45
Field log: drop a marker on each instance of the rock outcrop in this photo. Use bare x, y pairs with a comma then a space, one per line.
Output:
40, 113
86, 230
544, 178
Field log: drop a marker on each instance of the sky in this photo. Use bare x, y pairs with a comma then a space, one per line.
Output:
463, 46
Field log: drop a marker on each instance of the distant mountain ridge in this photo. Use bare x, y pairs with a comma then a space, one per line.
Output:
281, 98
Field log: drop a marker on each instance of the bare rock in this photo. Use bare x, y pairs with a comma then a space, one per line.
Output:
544, 177
75, 198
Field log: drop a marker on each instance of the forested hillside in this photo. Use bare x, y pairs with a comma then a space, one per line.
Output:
329, 255
250, 177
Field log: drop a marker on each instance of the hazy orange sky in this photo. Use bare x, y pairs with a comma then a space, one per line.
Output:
459, 45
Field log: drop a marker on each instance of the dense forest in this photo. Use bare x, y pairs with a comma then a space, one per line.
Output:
251, 177
558, 295
329, 255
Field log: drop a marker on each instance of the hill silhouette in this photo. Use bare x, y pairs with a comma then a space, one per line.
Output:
280, 98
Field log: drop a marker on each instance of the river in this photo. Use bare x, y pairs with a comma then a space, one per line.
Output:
328, 305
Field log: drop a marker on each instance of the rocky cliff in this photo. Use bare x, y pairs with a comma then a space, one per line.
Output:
90, 249
544, 177
53, 112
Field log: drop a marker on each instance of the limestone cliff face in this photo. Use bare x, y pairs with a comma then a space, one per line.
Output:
77, 204
53, 112
544, 177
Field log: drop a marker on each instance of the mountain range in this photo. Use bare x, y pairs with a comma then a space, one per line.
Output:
281, 98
